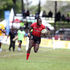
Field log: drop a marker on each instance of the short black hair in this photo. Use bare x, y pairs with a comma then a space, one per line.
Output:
38, 18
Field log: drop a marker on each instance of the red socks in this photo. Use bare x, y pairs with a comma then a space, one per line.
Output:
27, 56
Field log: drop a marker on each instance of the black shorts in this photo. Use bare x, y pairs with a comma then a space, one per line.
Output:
20, 41
36, 39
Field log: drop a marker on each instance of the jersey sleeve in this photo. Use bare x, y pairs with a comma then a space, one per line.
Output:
43, 27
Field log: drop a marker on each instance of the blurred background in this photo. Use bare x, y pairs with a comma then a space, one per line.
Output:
55, 15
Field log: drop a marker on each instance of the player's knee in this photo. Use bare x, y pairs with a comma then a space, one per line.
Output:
35, 51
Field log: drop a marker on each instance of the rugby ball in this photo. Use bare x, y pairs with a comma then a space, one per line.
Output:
44, 31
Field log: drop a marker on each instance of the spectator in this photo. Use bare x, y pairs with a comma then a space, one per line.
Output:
44, 14
21, 35
50, 14
27, 13
2, 33
12, 34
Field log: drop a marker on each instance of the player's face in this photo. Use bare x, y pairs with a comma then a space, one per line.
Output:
39, 22
21, 29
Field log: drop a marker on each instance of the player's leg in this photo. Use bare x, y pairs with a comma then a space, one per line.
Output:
37, 42
0, 47
13, 46
36, 47
30, 45
0, 44
1, 38
19, 45
29, 48
10, 45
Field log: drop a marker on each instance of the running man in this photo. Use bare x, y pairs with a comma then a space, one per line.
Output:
2, 33
21, 35
35, 36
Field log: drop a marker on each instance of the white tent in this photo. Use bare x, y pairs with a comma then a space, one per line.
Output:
44, 22
11, 17
47, 21
3, 22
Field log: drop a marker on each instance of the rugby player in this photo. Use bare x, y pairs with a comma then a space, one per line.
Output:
2, 33
35, 36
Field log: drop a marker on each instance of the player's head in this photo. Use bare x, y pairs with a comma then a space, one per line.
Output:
21, 28
2, 26
39, 21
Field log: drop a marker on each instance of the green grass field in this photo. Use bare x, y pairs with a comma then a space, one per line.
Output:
45, 59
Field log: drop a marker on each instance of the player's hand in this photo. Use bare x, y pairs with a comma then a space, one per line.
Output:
13, 39
29, 34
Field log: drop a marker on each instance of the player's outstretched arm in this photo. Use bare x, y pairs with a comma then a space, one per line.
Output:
16, 37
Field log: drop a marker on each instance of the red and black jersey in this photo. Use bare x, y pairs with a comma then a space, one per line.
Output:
37, 29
